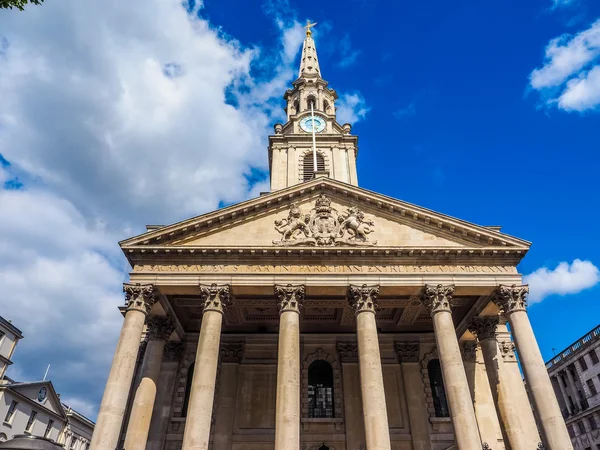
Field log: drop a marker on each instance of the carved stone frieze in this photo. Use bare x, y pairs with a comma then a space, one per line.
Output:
290, 297
348, 351
231, 352
484, 327
363, 298
140, 297
159, 328
507, 349
407, 351
173, 351
511, 298
324, 226
215, 297
437, 298
468, 350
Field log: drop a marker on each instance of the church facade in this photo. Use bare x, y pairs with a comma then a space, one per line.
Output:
323, 316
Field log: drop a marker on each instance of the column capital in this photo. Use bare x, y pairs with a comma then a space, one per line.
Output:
290, 297
173, 351
484, 327
215, 297
511, 298
437, 298
468, 350
407, 351
507, 349
231, 352
348, 351
363, 298
139, 297
159, 328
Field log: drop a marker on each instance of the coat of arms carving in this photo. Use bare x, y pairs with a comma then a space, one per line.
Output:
323, 225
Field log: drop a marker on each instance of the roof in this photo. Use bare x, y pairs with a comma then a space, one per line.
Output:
29, 442
11, 327
575, 348
70, 411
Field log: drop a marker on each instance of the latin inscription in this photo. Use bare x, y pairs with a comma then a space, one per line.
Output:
298, 268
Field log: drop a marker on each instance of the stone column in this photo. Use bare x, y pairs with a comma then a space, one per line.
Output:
437, 299
511, 300
159, 330
364, 301
508, 410
563, 392
139, 300
162, 405
197, 426
287, 406
408, 356
231, 355
353, 418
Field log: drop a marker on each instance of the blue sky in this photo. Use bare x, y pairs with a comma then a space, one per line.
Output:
120, 114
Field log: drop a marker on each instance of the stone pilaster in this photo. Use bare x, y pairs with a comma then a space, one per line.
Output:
139, 299
364, 301
159, 329
197, 428
512, 301
438, 301
287, 415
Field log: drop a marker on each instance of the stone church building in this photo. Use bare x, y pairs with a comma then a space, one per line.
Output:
324, 316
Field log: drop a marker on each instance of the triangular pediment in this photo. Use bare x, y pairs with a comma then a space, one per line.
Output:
326, 213
41, 394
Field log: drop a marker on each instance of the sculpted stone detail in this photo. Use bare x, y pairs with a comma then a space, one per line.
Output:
511, 298
289, 297
324, 226
484, 327
215, 296
173, 351
468, 350
437, 298
507, 349
231, 352
348, 351
160, 328
407, 351
140, 297
363, 298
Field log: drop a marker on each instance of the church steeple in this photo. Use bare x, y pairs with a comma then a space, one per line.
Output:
311, 143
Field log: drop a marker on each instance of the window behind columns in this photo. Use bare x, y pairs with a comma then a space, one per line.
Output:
309, 164
320, 390
437, 388
188, 390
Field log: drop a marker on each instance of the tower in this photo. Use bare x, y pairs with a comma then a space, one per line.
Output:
312, 132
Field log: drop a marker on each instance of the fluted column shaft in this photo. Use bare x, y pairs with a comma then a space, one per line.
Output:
287, 412
508, 411
197, 426
139, 300
364, 300
437, 299
159, 330
511, 299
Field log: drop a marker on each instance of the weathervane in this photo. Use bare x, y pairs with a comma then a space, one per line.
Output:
308, 26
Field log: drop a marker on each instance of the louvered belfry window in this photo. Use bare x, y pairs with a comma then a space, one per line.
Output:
308, 165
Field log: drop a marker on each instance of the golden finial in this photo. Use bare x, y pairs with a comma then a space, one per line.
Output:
308, 26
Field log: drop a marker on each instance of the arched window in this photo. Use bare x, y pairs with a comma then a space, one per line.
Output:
296, 106
320, 390
308, 165
325, 106
188, 390
311, 100
437, 388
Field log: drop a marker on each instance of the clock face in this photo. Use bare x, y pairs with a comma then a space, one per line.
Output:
307, 124
42, 394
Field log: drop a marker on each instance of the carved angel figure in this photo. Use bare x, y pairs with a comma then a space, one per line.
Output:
293, 225
356, 224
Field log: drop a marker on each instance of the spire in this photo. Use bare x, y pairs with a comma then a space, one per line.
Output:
309, 65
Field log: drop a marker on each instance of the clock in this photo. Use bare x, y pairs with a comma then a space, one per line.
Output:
307, 123
42, 394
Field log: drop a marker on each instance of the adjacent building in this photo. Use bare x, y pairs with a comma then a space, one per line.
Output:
9, 337
575, 375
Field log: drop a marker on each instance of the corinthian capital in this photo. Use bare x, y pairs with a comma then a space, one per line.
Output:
139, 297
511, 298
363, 298
484, 327
290, 297
437, 298
215, 296
160, 328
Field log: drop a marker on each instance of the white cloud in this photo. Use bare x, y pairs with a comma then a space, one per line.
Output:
346, 52
351, 108
568, 77
562, 3
564, 279
409, 110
